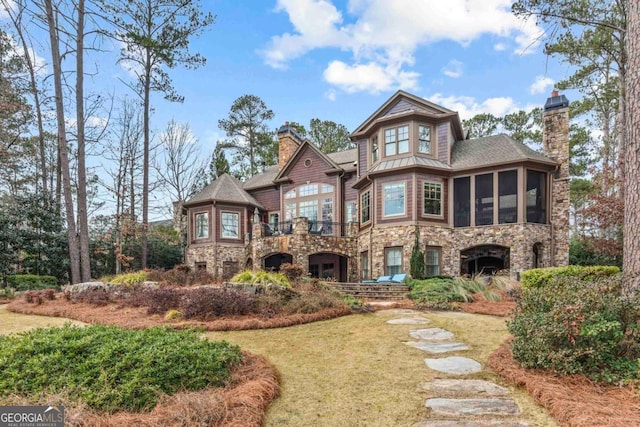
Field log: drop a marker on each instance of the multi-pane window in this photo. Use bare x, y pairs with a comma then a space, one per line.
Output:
289, 211
202, 225
484, 199
424, 139
536, 197
309, 209
274, 220
393, 196
308, 190
393, 261
462, 202
432, 261
364, 263
350, 212
507, 197
327, 188
396, 140
290, 194
432, 199
375, 150
365, 207
229, 225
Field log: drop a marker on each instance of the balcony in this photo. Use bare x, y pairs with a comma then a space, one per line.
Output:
300, 226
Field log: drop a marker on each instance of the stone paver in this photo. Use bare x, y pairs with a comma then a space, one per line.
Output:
470, 423
438, 347
448, 388
454, 365
429, 334
471, 407
409, 321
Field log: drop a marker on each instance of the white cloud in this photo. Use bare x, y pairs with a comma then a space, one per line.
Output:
370, 77
468, 106
541, 84
453, 69
499, 47
382, 36
331, 95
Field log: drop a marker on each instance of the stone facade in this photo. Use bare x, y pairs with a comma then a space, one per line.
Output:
287, 145
221, 260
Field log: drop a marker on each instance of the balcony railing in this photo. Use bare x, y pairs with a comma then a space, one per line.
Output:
320, 228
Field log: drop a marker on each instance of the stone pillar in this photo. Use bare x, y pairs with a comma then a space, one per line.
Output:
300, 225
555, 143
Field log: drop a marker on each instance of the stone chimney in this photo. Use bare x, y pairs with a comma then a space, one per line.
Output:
288, 143
555, 143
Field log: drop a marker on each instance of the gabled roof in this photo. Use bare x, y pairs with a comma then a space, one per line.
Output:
346, 157
224, 189
404, 103
492, 150
294, 158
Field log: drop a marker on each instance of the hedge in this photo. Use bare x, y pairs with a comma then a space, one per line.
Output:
542, 277
27, 282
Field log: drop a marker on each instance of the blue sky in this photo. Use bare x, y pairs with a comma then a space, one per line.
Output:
340, 60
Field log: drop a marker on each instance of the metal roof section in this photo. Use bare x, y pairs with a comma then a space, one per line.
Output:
407, 162
224, 189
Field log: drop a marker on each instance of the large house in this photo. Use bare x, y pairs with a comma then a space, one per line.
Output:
479, 205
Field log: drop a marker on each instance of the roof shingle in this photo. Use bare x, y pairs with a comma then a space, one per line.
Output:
492, 150
225, 189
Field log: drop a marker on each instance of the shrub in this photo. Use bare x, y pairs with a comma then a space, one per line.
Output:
293, 272
26, 282
181, 275
573, 325
540, 277
130, 279
261, 277
95, 296
172, 314
444, 292
161, 300
208, 303
416, 263
108, 368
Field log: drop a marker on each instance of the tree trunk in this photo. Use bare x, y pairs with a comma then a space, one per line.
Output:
631, 266
145, 164
63, 154
83, 223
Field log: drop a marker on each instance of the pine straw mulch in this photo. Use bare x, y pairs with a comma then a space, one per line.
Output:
243, 403
574, 401
137, 317
481, 305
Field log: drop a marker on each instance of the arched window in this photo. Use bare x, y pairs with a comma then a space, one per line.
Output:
314, 201
537, 255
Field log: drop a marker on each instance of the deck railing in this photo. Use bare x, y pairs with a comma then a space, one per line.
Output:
320, 228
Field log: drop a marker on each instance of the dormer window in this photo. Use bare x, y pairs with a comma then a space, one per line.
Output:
375, 152
424, 139
396, 140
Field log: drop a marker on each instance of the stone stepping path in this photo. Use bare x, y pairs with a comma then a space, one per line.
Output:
430, 334
438, 347
457, 401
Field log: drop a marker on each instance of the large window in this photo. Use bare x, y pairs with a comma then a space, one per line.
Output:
394, 199
229, 225
364, 264
462, 202
308, 190
365, 207
375, 150
396, 140
508, 197
432, 199
432, 261
350, 214
536, 197
202, 225
424, 139
484, 199
393, 260
309, 209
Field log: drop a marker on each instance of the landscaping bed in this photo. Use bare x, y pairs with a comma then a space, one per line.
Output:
102, 375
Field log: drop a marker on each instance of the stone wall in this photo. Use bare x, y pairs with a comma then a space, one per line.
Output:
215, 255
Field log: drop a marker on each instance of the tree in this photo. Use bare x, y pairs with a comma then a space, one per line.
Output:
181, 168
481, 125
250, 136
524, 126
219, 164
631, 249
416, 263
329, 136
156, 36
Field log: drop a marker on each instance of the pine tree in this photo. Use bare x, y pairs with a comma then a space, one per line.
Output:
416, 264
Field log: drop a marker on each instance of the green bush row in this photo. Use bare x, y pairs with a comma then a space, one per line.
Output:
572, 325
444, 292
261, 277
541, 277
27, 282
110, 368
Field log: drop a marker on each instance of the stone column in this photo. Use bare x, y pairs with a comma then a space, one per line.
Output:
555, 143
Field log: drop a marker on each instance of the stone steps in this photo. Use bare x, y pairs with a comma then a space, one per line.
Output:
390, 291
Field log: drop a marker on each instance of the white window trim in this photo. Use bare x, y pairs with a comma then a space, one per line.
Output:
195, 226
384, 205
362, 209
222, 230
428, 215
